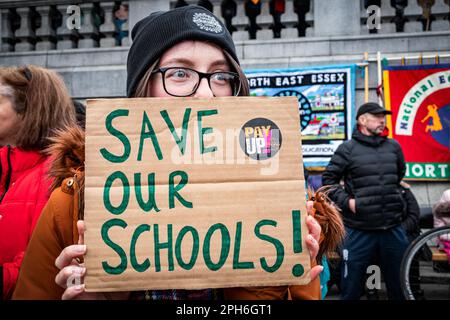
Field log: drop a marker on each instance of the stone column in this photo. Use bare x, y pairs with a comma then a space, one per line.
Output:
25, 33
45, 33
108, 28
87, 27
126, 41
67, 38
6, 34
140, 9
336, 17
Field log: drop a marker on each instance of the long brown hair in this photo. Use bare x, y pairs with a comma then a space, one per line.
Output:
143, 87
42, 101
329, 219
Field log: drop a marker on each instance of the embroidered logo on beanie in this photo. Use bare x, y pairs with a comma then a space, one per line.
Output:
206, 22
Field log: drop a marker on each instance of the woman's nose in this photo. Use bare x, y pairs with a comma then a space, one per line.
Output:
203, 90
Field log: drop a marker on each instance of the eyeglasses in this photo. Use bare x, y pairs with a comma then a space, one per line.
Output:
183, 82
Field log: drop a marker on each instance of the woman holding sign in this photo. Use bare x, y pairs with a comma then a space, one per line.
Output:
185, 52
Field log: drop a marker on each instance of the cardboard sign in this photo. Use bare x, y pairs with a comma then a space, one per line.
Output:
194, 193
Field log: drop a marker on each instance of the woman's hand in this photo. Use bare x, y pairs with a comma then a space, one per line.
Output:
72, 272
312, 239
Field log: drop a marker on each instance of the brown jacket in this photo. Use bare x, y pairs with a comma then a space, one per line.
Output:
57, 229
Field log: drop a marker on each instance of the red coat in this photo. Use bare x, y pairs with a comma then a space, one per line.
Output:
24, 190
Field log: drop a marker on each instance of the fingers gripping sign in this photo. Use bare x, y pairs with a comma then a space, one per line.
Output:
72, 271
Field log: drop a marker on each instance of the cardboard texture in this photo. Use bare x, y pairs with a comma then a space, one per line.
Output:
185, 194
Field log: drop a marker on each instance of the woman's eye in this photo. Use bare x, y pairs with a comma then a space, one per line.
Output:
222, 77
178, 74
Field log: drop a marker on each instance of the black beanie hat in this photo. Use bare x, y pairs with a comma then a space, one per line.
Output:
161, 30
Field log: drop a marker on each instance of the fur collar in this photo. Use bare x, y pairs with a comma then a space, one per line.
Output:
67, 152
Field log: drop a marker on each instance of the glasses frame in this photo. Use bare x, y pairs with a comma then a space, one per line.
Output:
201, 75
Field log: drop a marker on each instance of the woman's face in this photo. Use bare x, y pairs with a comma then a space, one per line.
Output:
197, 55
9, 119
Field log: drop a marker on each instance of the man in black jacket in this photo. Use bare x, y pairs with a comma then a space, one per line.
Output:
372, 205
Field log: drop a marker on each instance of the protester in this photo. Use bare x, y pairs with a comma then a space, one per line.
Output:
120, 18
312, 184
372, 167
332, 234
410, 224
80, 111
441, 218
171, 54
34, 102
412, 227
411, 215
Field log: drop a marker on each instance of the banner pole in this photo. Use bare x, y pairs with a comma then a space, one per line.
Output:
366, 78
380, 80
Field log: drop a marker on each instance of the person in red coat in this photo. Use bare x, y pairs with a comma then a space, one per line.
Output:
34, 106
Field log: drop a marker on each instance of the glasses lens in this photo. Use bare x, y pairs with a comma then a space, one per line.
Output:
183, 82
224, 84
180, 81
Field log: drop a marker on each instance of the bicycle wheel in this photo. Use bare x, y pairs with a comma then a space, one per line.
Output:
425, 269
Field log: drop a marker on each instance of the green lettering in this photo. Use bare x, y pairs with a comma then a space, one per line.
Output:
297, 231
181, 142
163, 245
139, 267
126, 192
173, 190
276, 243
151, 203
120, 252
195, 247
237, 249
119, 135
203, 131
223, 252
147, 131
